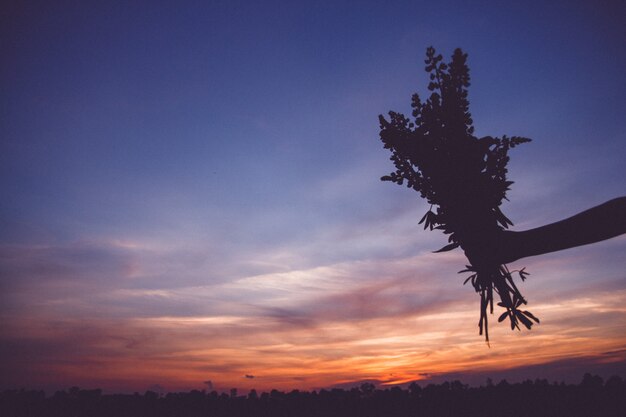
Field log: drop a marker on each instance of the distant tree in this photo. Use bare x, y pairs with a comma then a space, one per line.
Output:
464, 178
252, 395
367, 388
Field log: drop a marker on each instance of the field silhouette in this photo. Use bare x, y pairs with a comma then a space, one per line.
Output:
593, 397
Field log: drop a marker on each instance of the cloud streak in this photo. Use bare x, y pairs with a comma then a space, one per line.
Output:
326, 325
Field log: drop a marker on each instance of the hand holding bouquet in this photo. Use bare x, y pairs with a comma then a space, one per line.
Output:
463, 178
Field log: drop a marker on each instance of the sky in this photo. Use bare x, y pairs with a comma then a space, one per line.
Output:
191, 194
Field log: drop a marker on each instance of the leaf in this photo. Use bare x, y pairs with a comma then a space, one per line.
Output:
468, 278
502, 219
448, 248
503, 316
425, 216
469, 268
529, 314
429, 220
523, 274
523, 319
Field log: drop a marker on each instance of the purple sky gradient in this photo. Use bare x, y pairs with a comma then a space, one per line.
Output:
191, 192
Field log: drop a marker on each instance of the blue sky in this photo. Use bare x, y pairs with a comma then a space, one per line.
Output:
205, 160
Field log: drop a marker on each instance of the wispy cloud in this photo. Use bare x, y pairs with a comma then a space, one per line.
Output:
391, 319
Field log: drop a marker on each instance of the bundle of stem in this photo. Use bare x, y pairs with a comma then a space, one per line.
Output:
463, 177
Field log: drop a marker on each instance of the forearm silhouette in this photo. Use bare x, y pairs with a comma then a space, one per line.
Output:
599, 223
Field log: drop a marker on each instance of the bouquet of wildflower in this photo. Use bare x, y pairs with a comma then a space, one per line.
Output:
462, 177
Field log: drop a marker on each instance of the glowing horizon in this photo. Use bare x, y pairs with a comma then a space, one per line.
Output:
342, 328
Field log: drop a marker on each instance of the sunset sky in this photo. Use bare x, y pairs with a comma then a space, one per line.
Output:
190, 193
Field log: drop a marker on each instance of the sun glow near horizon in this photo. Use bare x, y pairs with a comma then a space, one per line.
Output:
334, 331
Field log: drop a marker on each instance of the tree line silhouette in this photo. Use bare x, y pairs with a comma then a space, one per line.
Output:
592, 397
